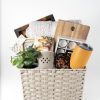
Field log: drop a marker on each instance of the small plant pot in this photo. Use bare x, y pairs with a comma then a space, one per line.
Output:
30, 67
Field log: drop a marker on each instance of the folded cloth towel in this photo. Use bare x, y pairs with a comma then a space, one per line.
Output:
41, 28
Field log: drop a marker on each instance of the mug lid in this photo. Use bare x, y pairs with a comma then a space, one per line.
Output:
86, 46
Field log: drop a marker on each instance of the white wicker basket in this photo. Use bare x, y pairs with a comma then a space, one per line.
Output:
52, 84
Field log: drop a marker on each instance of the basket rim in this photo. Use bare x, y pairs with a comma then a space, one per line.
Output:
54, 69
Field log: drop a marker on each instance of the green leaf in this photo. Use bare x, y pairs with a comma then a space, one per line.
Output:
17, 60
28, 62
20, 65
29, 55
14, 61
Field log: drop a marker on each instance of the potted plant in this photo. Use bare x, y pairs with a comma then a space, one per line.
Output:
26, 58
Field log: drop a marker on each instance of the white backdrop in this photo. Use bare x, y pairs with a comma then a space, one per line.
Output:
16, 13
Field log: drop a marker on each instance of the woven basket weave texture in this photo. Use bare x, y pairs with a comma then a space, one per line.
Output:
52, 84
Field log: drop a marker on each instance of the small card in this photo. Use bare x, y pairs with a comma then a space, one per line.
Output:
18, 46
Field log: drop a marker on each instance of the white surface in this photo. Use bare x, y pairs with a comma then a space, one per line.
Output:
19, 12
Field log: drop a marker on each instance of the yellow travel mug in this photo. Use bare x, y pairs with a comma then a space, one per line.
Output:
80, 56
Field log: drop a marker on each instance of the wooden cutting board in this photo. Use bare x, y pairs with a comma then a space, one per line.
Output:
71, 30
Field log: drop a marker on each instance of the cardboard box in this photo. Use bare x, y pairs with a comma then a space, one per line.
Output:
22, 29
